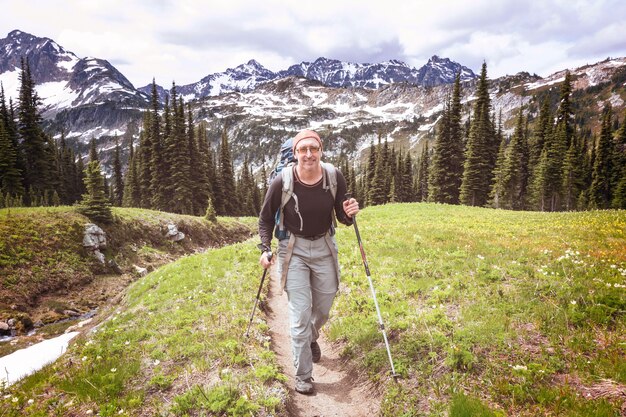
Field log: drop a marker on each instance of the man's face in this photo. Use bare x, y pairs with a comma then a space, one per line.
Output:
308, 152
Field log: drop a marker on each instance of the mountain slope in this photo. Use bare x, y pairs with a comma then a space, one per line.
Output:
86, 97
351, 103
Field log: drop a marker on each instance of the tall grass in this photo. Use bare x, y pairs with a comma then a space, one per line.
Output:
522, 311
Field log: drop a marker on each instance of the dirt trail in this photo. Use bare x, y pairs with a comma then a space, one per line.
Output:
338, 393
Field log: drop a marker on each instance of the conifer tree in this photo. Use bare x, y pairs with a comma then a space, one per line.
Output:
67, 172
80, 176
408, 178
353, 187
514, 170
556, 148
619, 168
10, 174
118, 180
95, 204
132, 188
246, 191
421, 192
447, 162
498, 189
178, 152
482, 149
264, 180
543, 129
376, 193
399, 177
439, 164
393, 191
225, 195
160, 169
572, 176
201, 170
565, 115
371, 169
144, 163
586, 172
618, 179
196, 185
37, 156
210, 214
600, 192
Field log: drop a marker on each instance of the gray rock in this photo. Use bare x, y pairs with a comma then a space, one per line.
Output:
94, 237
4, 327
142, 272
173, 234
71, 313
99, 256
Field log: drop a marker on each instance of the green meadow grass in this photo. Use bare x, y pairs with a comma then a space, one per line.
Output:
522, 313
488, 313
175, 346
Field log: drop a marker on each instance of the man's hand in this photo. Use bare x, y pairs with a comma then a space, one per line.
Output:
266, 259
351, 207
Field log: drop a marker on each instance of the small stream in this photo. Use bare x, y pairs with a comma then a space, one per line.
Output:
26, 361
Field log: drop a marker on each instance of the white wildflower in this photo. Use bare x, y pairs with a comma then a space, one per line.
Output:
156, 362
519, 368
480, 257
113, 369
127, 342
573, 302
84, 358
31, 401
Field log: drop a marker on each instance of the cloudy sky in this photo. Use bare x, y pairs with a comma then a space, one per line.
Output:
185, 40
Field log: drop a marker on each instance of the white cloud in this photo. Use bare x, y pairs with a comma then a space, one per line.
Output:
185, 40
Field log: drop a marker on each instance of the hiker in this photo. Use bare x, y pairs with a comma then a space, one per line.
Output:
307, 251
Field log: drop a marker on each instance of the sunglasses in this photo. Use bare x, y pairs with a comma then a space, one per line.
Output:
303, 150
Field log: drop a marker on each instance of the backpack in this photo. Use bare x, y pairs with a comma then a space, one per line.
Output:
288, 160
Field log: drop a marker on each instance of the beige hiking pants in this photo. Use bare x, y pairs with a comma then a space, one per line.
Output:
311, 282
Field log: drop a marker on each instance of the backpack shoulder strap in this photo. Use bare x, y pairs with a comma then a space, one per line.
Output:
287, 194
330, 183
331, 175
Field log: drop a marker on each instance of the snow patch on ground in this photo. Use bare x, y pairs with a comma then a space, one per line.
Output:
26, 361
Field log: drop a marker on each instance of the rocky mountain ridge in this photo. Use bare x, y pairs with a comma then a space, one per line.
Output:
351, 103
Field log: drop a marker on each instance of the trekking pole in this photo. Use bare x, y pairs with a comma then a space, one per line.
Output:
258, 293
381, 325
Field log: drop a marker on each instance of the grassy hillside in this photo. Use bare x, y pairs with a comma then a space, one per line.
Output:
489, 313
41, 253
522, 314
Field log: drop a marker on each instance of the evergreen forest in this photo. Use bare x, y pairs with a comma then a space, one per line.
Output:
551, 162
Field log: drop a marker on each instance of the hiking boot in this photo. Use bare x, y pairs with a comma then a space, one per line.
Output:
304, 386
316, 352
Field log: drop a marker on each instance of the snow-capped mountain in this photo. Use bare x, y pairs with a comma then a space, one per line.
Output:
329, 72
352, 104
334, 73
74, 91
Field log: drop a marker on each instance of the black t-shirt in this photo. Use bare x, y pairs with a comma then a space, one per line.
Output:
315, 206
